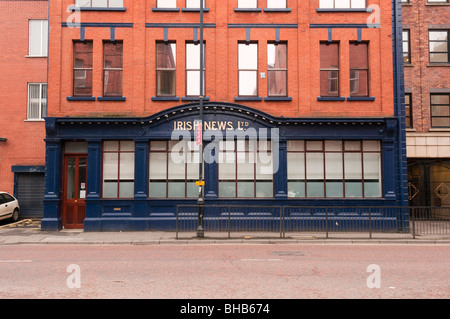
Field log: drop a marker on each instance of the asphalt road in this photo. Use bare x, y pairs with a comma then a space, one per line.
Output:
225, 271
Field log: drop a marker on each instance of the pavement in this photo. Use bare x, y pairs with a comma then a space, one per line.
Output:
28, 232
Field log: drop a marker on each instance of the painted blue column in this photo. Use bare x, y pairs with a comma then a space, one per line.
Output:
140, 219
211, 172
280, 172
51, 220
94, 186
389, 167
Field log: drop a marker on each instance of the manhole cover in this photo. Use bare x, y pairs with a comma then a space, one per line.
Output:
288, 253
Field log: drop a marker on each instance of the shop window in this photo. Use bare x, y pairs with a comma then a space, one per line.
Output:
173, 169
118, 169
334, 169
245, 169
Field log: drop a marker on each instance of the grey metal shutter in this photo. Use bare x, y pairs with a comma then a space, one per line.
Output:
30, 193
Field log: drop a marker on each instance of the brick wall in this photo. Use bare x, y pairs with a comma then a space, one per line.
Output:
25, 144
221, 57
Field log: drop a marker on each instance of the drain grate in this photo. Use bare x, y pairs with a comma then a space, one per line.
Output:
288, 253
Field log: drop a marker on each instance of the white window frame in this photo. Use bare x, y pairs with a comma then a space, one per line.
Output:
39, 100
43, 41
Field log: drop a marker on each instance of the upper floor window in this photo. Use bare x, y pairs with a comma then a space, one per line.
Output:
329, 69
38, 38
166, 4
166, 57
193, 69
99, 3
342, 4
112, 68
248, 69
194, 4
406, 46
359, 69
82, 68
408, 110
248, 4
277, 69
37, 101
439, 46
276, 4
440, 110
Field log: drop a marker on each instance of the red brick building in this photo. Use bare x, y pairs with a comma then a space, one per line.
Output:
23, 101
427, 87
323, 77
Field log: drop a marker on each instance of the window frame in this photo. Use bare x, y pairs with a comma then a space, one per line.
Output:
438, 116
329, 70
42, 109
367, 69
343, 8
274, 70
438, 52
174, 70
86, 70
91, 6
248, 70
43, 51
107, 69
187, 70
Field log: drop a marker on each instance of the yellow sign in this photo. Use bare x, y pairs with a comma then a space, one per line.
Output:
200, 183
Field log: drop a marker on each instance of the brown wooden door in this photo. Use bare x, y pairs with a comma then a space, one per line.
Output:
75, 178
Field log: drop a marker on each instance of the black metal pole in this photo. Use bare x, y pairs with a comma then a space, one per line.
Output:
201, 198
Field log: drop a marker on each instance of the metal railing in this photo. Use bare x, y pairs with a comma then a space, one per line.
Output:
282, 220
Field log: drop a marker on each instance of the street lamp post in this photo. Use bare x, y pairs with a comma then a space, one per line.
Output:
201, 195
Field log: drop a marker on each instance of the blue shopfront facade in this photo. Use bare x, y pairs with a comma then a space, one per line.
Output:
303, 173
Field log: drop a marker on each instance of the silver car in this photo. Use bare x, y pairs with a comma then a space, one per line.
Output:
9, 207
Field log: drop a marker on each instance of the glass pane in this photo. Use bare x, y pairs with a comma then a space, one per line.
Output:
83, 54
82, 85
296, 189
352, 145
71, 169
359, 56
127, 146
111, 146
126, 190
247, 3
113, 55
276, 55
127, 166
76, 147
276, 3
227, 189
329, 83
296, 166
438, 36
158, 145
166, 55
110, 189
335, 189
193, 56
157, 190
333, 146
248, 56
353, 189
246, 189
314, 145
315, 189
112, 83
314, 166
295, 146
82, 176
227, 171
329, 55
439, 57
372, 189
440, 99
334, 166
165, 85
277, 83
359, 83
176, 189
192, 190
264, 189
371, 146
176, 170
194, 4
193, 83
372, 166
166, 3
352, 166
248, 83
110, 166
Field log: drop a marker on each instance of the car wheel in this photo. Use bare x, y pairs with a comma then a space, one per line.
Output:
15, 215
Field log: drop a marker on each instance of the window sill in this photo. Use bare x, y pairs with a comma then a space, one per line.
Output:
119, 9
81, 98
437, 4
248, 98
277, 10
166, 9
344, 10
330, 98
438, 64
165, 98
439, 129
34, 120
247, 9
408, 65
111, 98
278, 99
360, 98
194, 9
193, 98
37, 56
